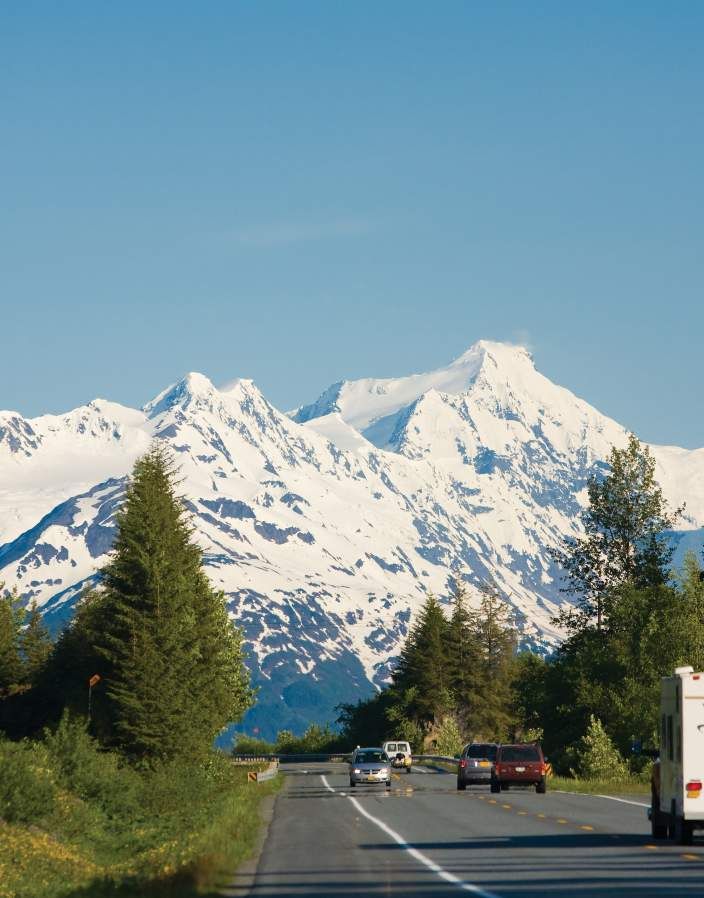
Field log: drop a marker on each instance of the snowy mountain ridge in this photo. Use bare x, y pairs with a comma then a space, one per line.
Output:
325, 528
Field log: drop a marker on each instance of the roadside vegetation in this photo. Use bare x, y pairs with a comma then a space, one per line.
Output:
131, 800
632, 622
594, 701
128, 797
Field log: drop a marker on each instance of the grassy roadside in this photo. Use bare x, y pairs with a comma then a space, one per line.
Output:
600, 787
182, 834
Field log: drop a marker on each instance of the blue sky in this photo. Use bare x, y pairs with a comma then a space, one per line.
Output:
300, 192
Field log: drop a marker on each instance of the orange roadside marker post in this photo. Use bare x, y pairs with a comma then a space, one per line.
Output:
94, 680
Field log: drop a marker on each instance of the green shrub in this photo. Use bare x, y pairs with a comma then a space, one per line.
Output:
248, 745
27, 784
315, 740
181, 787
448, 739
596, 756
94, 775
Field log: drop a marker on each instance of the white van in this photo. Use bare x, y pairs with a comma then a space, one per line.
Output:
400, 754
677, 784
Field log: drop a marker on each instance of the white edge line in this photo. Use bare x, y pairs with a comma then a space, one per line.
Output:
417, 855
638, 804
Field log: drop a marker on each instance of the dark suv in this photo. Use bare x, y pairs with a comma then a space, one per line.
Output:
475, 764
519, 765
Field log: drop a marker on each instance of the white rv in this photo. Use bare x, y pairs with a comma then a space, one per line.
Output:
677, 785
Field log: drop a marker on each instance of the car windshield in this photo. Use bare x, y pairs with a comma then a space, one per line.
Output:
370, 757
482, 750
520, 753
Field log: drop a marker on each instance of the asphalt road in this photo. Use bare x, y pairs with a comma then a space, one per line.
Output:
425, 838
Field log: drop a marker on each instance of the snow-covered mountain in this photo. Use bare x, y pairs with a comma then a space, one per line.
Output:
326, 527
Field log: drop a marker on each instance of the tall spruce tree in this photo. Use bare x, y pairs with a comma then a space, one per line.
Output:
173, 659
11, 618
624, 538
35, 645
420, 680
496, 639
463, 657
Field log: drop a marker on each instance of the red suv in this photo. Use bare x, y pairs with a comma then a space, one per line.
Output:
519, 765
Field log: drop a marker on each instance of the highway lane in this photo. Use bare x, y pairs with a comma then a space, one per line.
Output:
427, 839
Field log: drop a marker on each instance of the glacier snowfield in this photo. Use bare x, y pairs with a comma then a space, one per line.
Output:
326, 526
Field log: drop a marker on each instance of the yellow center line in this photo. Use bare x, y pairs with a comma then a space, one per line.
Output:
690, 857
506, 806
492, 801
522, 813
587, 827
651, 847
542, 816
561, 820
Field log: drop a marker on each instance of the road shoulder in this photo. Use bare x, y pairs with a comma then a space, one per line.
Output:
243, 879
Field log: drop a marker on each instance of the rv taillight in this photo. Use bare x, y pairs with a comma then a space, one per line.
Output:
693, 787
463, 763
695, 677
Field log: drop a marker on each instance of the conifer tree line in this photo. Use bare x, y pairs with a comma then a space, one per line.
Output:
453, 679
25, 643
169, 660
630, 620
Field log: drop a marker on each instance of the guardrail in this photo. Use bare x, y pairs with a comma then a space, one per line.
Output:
322, 758
296, 759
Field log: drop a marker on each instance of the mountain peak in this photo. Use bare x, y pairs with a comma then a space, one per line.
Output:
500, 352
372, 405
189, 387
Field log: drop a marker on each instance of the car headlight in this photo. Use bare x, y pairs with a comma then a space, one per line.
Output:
357, 771
384, 770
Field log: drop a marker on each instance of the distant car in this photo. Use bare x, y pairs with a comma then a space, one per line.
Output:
476, 761
370, 765
400, 754
519, 765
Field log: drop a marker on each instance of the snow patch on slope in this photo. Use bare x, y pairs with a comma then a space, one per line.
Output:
323, 542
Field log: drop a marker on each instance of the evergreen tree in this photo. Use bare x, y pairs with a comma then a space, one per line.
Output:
173, 659
463, 657
11, 617
624, 539
367, 721
495, 637
421, 677
75, 658
530, 692
35, 645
